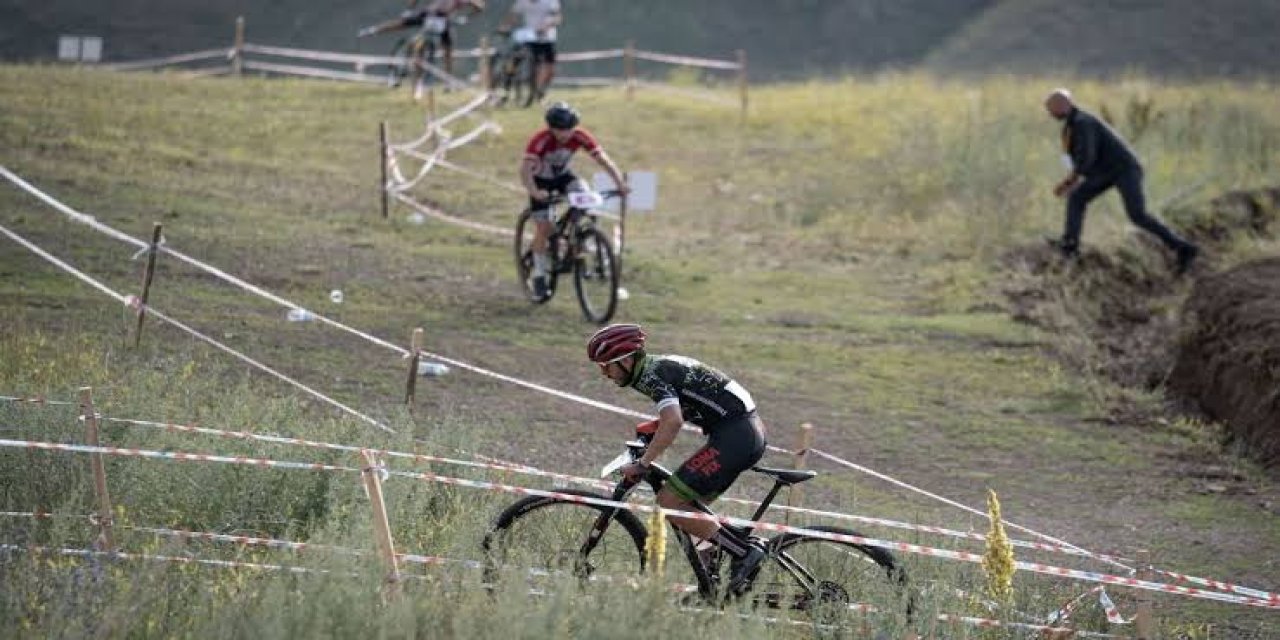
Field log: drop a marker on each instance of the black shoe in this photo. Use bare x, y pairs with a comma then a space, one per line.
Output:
541, 292
742, 570
1069, 250
1187, 254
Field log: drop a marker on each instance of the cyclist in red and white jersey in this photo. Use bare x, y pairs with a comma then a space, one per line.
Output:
545, 170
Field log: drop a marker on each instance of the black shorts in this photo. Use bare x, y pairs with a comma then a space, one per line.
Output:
733, 446
543, 52
419, 18
559, 184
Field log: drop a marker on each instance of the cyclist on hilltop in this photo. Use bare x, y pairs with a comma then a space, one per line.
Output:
542, 17
417, 17
545, 170
686, 389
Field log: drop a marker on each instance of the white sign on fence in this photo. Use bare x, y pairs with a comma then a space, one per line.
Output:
644, 190
80, 48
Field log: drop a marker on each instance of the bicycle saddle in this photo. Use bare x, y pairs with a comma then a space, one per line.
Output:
787, 476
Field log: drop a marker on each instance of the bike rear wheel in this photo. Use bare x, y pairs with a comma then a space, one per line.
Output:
527, 78
400, 67
547, 536
828, 579
595, 276
524, 259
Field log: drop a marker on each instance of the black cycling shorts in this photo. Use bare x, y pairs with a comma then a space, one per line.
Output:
543, 52
733, 446
559, 184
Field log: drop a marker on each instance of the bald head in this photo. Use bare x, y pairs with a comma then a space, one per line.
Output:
1059, 103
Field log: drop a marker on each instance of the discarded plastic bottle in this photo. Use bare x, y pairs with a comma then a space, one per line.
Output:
300, 315
336, 296
432, 369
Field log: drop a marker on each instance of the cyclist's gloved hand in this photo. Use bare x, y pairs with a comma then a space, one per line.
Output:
635, 471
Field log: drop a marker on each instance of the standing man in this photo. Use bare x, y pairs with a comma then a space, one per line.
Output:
541, 16
1099, 160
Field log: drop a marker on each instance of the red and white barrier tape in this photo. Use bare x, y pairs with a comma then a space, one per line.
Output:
894, 481
121, 555
176, 456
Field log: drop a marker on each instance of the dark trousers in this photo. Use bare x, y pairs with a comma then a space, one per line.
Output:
1129, 183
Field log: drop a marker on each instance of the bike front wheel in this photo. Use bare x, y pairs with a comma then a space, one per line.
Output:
549, 537
595, 276
829, 579
523, 249
400, 67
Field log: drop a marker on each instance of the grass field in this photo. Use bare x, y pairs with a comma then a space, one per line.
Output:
841, 253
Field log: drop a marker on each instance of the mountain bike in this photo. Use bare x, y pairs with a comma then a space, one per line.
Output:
512, 69
600, 545
411, 53
575, 246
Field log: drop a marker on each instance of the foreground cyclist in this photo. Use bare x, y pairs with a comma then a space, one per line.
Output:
545, 170
686, 389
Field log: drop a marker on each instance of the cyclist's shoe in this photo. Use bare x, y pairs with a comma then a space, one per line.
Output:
541, 292
1187, 254
1069, 250
742, 570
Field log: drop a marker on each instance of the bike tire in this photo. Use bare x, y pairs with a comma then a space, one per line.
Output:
595, 276
528, 79
524, 259
841, 573
400, 67
540, 533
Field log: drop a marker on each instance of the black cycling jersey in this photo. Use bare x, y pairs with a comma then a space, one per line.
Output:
706, 396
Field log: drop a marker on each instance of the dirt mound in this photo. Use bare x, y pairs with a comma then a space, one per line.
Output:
1229, 361
1252, 212
1118, 314
1118, 306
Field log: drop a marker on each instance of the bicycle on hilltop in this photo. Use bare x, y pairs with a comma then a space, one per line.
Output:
599, 544
512, 68
576, 245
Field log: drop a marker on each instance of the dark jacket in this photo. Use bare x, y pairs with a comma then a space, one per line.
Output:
1096, 150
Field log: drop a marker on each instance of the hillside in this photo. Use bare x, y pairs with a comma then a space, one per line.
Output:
840, 253
1164, 37
808, 37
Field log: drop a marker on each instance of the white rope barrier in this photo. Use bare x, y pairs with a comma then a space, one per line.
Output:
440, 215
312, 72
904, 485
510, 186
194, 56
580, 56
133, 303
698, 94
688, 61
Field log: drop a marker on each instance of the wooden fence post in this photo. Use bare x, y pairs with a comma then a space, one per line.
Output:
147, 275
106, 542
381, 526
382, 162
1144, 624
742, 80
415, 354
629, 68
486, 77
237, 48
622, 226
801, 460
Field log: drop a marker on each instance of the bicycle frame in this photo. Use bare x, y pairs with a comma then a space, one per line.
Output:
707, 582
